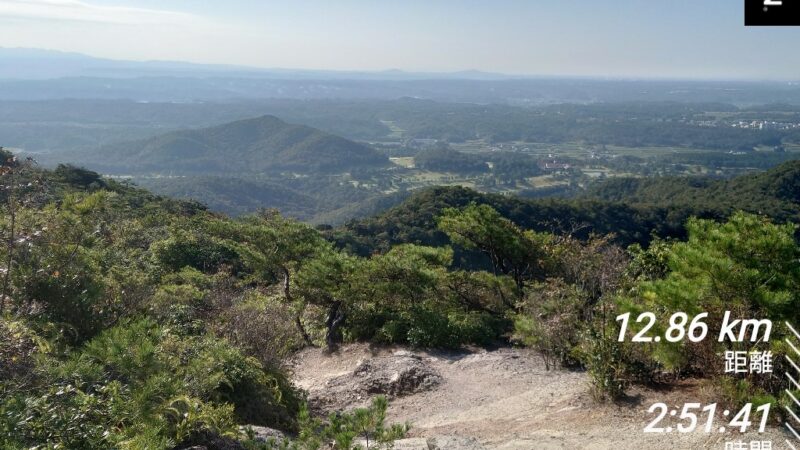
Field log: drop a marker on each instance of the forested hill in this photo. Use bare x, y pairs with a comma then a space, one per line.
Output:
414, 221
251, 146
38, 188
632, 209
775, 193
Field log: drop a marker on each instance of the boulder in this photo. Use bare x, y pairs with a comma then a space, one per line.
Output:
454, 443
263, 434
395, 375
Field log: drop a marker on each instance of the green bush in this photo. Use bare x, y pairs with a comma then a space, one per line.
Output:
220, 373
428, 326
66, 281
748, 266
550, 319
19, 346
475, 327
180, 306
606, 365
195, 250
261, 326
141, 385
342, 430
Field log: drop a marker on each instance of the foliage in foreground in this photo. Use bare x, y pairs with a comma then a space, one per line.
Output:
360, 429
747, 266
131, 321
140, 385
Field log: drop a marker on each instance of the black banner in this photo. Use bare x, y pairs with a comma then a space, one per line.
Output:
772, 12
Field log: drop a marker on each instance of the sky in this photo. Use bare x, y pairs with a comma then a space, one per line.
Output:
592, 38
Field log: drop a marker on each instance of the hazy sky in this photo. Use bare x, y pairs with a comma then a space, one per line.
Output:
633, 38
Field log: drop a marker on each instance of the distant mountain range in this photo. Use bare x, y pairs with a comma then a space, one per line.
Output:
32, 74
38, 64
245, 147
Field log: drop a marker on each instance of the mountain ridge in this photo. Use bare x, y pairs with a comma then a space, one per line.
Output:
42, 64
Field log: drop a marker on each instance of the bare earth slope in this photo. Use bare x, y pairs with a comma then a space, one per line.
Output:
501, 399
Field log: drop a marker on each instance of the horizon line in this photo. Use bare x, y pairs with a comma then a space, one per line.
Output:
438, 74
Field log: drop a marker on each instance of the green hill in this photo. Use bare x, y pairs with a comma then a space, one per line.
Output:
632, 209
775, 193
263, 144
414, 220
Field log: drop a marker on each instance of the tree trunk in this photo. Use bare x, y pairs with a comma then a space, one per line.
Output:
519, 280
288, 295
286, 292
505, 301
335, 319
302, 330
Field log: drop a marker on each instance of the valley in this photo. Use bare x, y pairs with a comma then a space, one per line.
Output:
379, 151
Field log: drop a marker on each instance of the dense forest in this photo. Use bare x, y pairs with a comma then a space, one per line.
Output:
775, 193
445, 159
633, 210
131, 320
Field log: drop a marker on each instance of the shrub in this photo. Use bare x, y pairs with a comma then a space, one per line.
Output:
605, 363
550, 320
475, 327
182, 300
428, 328
342, 430
140, 385
428, 325
195, 250
63, 284
262, 326
18, 347
748, 266
221, 373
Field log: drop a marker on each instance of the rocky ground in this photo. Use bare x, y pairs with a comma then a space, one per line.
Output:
501, 399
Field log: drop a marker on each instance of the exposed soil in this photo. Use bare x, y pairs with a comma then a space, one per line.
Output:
500, 399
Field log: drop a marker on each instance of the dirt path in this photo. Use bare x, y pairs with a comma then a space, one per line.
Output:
506, 399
